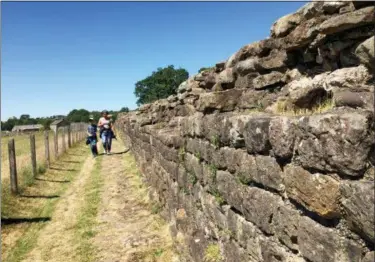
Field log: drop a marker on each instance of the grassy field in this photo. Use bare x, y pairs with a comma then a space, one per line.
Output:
23, 158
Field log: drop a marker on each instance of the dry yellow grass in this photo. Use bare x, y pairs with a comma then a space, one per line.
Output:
23, 157
284, 107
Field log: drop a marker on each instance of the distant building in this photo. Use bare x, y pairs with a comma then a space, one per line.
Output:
27, 128
55, 125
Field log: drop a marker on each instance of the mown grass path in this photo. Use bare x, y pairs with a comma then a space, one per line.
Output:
104, 215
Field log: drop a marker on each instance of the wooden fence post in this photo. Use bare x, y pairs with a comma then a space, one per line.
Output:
63, 140
46, 144
69, 138
56, 144
33, 153
12, 166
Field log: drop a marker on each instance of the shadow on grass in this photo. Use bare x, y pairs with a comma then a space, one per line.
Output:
53, 181
33, 196
116, 153
11, 221
69, 154
69, 161
63, 169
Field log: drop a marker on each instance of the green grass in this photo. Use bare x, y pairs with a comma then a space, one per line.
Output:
156, 208
192, 179
87, 218
213, 171
218, 197
181, 154
243, 179
212, 253
215, 140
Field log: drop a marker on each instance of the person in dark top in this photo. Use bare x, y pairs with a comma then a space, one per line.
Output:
92, 137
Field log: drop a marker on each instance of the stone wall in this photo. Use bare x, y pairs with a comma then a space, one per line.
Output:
269, 156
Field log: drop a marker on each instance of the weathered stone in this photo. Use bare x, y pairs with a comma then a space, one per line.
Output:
184, 110
358, 206
285, 24
303, 34
347, 21
192, 125
222, 101
246, 234
226, 78
272, 252
354, 99
282, 132
348, 57
257, 205
245, 81
365, 52
306, 92
275, 60
264, 81
316, 192
335, 142
193, 165
268, 173
346, 9
233, 252
256, 135
216, 129
258, 99
286, 223
144, 108
247, 66
212, 210
237, 127
333, 6
352, 77
258, 49
220, 66
232, 60
321, 244
208, 81
293, 74
172, 98
369, 257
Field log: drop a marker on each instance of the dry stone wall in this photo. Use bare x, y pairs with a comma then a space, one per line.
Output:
269, 156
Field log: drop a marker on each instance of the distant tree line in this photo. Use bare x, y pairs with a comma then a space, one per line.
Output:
75, 116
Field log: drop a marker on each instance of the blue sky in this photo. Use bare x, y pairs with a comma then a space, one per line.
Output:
58, 56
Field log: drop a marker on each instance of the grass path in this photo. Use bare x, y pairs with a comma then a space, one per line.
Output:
62, 226
103, 216
128, 229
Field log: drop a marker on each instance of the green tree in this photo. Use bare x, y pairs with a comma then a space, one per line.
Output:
80, 115
124, 109
161, 84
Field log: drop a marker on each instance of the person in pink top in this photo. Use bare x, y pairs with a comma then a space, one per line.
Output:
106, 133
